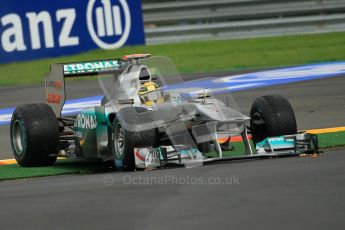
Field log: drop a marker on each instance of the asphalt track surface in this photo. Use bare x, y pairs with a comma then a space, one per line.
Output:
284, 193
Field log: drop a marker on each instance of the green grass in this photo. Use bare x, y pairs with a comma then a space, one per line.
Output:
238, 150
205, 56
331, 140
61, 167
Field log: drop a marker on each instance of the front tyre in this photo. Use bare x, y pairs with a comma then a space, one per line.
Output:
271, 116
123, 141
34, 135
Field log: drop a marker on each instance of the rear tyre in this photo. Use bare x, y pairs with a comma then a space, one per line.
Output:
34, 135
271, 115
123, 141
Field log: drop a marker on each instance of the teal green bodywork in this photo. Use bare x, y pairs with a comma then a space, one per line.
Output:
92, 129
280, 142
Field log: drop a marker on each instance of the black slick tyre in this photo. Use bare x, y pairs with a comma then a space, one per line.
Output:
34, 135
271, 116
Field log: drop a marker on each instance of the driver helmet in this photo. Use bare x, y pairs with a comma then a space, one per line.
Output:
150, 93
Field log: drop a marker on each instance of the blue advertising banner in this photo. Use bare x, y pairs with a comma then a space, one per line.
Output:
39, 28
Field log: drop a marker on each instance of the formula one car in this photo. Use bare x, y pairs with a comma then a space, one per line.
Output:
149, 117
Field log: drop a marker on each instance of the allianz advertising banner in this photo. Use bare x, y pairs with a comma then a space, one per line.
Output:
32, 29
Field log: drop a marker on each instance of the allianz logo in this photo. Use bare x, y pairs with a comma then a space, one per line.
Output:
108, 22
108, 19
56, 29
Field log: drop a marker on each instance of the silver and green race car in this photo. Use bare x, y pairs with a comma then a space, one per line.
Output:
149, 117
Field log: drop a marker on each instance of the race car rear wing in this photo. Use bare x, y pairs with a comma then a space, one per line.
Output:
55, 78
92, 68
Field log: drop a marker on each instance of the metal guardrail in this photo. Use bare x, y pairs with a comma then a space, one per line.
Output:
175, 21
